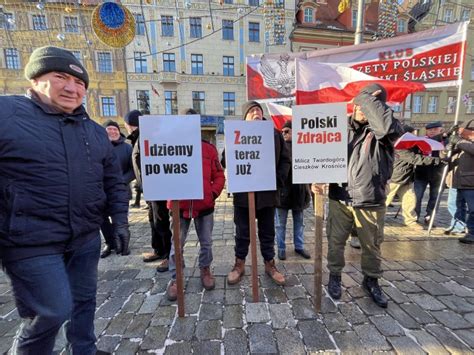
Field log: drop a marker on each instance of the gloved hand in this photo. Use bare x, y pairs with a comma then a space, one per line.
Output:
122, 239
454, 139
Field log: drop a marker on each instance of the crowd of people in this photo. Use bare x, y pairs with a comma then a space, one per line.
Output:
63, 178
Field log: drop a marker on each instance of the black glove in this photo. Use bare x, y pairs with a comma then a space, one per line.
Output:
122, 239
454, 139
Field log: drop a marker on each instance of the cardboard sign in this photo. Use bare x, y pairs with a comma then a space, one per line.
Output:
171, 159
250, 156
319, 143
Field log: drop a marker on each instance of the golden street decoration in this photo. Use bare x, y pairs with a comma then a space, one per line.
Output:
113, 24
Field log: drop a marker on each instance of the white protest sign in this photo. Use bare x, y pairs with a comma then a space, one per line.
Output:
319, 143
250, 156
171, 159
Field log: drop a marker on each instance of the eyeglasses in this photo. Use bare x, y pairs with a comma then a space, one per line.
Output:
285, 131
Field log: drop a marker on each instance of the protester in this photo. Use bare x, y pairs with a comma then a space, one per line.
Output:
294, 197
429, 174
123, 151
462, 145
158, 214
401, 182
58, 177
202, 213
265, 209
457, 208
372, 133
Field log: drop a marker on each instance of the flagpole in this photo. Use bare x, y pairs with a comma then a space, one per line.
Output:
360, 22
456, 119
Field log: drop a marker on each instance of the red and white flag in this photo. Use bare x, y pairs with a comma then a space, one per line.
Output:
279, 114
426, 145
154, 90
324, 83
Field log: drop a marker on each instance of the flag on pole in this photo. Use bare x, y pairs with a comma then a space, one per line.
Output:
324, 83
279, 114
154, 90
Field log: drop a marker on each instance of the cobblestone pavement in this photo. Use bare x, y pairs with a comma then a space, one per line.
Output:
428, 279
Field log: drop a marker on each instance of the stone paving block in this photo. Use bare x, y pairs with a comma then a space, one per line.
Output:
233, 316
233, 296
235, 342
336, 322
127, 347
256, 312
407, 286
447, 338
126, 288
207, 347
183, 328
107, 286
387, 326
356, 292
417, 313
213, 296
327, 305
435, 276
220, 282
428, 342
293, 268
392, 265
208, 329
465, 281
294, 292
6, 308
467, 335
110, 308
261, 339
434, 288
289, 342
138, 326
128, 274
425, 264
303, 309
402, 317
347, 281
108, 343
393, 276
5, 344
150, 304
457, 304
457, 289
249, 295
210, 311
292, 280
395, 295
119, 324
160, 285
427, 302
371, 337
144, 286
352, 313
146, 273
450, 272
192, 302
164, 315
315, 335
99, 326
110, 275
155, 338
193, 285
405, 345
469, 317
134, 303
349, 343
451, 319
178, 349
281, 316
275, 295
369, 307
410, 265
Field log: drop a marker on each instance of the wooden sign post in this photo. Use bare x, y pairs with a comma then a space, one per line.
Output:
253, 246
178, 256
318, 249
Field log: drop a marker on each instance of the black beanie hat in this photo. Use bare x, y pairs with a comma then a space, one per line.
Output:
370, 89
47, 59
248, 105
287, 124
189, 111
111, 123
132, 118
408, 129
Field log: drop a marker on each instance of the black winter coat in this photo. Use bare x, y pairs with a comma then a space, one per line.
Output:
464, 165
282, 164
430, 172
123, 150
293, 196
58, 177
134, 139
370, 155
405, 163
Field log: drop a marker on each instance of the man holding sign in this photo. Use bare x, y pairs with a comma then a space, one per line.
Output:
372, 132
265, 209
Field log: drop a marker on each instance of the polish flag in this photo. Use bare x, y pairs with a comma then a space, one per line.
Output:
279, 114
324, 83
426, 145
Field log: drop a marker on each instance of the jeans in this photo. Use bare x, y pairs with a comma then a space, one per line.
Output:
457, 209
52, 289
204, 226
281, 216
420, 187
266, 232
468, 196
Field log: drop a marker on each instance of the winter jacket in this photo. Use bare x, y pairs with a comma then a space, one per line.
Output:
405, 163
293, 196
213, 181
370, 155
123, 151
58, 177
282, 164
463, 177
430, 172
134, 138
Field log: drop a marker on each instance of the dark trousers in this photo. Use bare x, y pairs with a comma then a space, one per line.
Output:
159, 217
420, 187
468, 196
52, 289
108, 232
266, 232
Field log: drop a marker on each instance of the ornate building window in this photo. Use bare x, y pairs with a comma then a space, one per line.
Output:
308, 15
195, 27
108, 106
171, 103
140, 62
169, 63
199, 100
139, 25
197, 64
229, 103
71, 24
167, 29
228, 63
39, 22
254, 32
12, 59
228, 29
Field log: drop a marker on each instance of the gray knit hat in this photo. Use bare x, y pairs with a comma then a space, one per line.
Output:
47, 59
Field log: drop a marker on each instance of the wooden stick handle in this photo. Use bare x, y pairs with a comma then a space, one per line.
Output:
178, 256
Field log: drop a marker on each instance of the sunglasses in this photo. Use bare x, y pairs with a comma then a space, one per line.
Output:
285, 131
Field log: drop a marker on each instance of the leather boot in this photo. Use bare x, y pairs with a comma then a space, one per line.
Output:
237, 272
106, 251
272, 271
371, 286
207, 280
334, 286
172, 291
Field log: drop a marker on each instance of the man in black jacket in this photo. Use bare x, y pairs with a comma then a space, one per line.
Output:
463, 178
401, 182
265, 209
58, 178
372, 133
